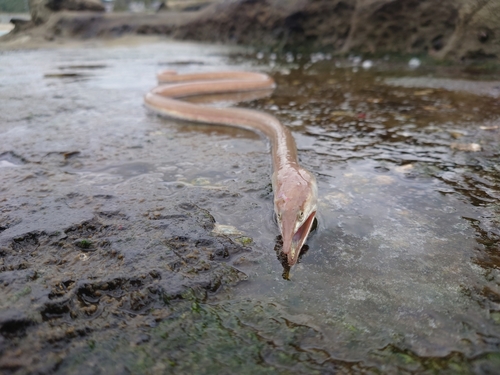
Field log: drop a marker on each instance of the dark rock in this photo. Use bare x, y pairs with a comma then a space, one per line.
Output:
41, 10
162, 7
477, 33
445, 29
401, 25
91, 5
21, 24
13, 322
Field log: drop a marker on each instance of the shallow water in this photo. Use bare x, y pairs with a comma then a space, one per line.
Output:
401, 273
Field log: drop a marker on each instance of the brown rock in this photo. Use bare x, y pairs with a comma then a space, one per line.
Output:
455, 29
407, 26
477, 34
448, 29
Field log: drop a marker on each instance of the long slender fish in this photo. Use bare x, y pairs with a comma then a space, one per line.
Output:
295, 189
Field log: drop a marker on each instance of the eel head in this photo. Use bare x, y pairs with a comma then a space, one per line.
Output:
295, 205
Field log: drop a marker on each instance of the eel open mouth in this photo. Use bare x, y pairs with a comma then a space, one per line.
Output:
300, 237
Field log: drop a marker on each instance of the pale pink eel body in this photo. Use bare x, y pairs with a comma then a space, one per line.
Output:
295, 190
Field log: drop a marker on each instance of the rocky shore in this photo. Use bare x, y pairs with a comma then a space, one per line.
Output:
449, 29
133, 244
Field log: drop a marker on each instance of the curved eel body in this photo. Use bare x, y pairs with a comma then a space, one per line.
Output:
295, 189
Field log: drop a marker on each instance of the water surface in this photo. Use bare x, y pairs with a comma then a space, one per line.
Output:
401, 273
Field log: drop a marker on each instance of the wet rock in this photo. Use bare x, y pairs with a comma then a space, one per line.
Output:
468, 147
13, 323
143, 338
96, 273
12, 158
158, 269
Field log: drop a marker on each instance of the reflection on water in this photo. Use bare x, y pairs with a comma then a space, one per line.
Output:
405, 256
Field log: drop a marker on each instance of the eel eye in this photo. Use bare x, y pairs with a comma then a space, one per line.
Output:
301, 215
279, 218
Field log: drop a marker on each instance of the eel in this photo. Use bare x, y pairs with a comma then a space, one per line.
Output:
295, 189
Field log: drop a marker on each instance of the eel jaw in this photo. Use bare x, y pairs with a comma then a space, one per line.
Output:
298, 239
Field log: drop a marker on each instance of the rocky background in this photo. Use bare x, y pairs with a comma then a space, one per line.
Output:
447, 29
